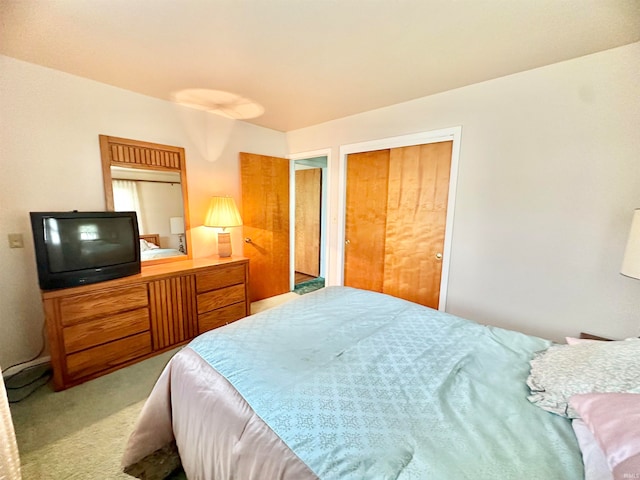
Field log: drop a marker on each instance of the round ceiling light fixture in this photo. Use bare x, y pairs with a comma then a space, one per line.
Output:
220, 102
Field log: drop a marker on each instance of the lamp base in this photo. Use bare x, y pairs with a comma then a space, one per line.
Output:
224, 244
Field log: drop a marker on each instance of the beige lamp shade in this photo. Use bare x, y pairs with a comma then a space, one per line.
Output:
223, 213
631, 261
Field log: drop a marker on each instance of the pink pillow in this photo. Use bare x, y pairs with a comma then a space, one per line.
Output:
614, 419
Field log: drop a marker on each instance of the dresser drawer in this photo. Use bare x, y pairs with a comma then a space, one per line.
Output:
221, 316
76, 308
220, 298
219, 277
108, 355
107, 329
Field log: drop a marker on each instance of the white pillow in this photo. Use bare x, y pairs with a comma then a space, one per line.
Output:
595, 462
145, 245
565, 370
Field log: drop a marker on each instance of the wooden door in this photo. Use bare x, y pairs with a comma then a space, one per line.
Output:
416, 217
265, 216
365, 227
307, 231
395, 220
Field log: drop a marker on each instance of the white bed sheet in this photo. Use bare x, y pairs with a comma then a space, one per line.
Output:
160, 253
595, 462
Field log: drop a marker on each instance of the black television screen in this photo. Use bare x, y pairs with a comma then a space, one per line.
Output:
76, 248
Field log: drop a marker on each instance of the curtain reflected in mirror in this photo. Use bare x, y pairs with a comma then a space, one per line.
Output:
125, 198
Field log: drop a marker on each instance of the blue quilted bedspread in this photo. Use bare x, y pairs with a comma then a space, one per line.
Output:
366, 386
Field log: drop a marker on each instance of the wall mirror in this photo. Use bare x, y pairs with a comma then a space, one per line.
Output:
151, 180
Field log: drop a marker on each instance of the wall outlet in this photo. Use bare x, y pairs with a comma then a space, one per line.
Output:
16, 240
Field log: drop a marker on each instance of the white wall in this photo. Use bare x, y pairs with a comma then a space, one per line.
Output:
50, 160
158, 203
548, 179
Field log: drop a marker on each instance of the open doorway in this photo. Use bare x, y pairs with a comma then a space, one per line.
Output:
309, 193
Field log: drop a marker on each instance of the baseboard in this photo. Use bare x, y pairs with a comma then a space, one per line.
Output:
21, 366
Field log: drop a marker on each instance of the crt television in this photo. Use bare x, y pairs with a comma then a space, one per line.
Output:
77, 248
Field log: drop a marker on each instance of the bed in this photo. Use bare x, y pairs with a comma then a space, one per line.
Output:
349, 384
150, 248
9, 457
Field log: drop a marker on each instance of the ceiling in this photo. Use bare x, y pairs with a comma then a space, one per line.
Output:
305, 62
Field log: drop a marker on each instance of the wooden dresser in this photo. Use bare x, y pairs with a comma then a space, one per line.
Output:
98, 328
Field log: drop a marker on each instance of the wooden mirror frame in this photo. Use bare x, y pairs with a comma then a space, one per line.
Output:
123, 152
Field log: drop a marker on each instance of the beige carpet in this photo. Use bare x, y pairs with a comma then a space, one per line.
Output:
272, 302
94, 449
80, 433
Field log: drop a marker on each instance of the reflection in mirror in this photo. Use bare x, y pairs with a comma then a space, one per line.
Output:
149, 179
157, 199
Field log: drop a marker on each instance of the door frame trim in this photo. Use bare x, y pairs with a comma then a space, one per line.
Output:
325, 234
442, 135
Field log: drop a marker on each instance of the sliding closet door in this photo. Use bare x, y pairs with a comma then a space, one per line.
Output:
415, 226
395, 220
367, 175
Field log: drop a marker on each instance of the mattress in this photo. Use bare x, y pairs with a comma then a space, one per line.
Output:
349, 384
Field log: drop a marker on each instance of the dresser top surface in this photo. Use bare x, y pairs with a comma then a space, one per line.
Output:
150, 273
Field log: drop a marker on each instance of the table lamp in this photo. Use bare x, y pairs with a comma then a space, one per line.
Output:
223, 213
177, 228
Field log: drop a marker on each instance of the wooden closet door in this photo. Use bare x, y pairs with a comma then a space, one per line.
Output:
395, 220
365, 223
265, 217
416, 208
307, 231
